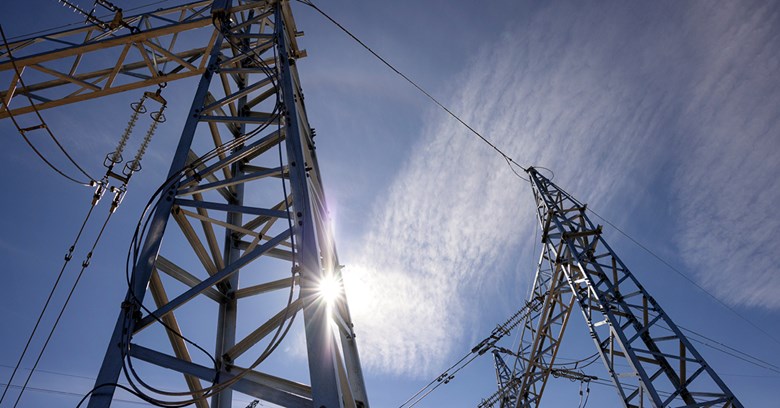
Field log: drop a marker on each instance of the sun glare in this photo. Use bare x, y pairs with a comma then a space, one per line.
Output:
330, 289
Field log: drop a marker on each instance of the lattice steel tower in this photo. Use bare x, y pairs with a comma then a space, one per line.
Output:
239, 231
250, 239
649, 359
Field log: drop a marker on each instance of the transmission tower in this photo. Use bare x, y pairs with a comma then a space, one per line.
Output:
649, 360
250, 238
506, 396
251, 241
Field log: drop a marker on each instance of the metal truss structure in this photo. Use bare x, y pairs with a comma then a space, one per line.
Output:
506, 396
245, 170
649, 359
91, 61
251, 239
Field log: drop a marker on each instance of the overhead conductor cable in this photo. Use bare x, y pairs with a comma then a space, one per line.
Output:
42, 124
101, 187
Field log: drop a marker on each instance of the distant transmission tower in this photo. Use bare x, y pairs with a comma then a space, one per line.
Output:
650, 361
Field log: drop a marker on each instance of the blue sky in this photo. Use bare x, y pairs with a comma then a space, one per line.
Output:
663, 117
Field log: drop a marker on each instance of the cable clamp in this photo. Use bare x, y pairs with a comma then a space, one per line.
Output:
119, 195
69, 255
85, 264
100, 189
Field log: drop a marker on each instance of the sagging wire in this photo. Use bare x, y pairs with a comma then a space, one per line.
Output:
668, 265
715, 345
509, 161
576, 364
68, 257
84, 266
100, 189
42, 125
132, 167
133, 253
481, 348
214, 388
584, 403
515, 380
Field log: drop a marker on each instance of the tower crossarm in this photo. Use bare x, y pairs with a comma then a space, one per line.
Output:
96, 60
649, 359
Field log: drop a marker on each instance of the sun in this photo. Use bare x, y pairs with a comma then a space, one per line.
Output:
329, 289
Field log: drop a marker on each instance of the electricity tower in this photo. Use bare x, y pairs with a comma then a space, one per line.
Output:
650, 361
239, 231
250, 239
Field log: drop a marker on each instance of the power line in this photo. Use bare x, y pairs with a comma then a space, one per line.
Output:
510, 162
54, 372
729, 347
75, 23
84, 266
75, 394
42, 124
690, 280
141, 229
68, 257
486, 344
70, 394
738, 354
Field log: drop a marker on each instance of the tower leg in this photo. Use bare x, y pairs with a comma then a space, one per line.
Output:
117, 348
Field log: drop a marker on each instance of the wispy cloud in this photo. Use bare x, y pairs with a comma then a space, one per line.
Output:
727, 186
610, 100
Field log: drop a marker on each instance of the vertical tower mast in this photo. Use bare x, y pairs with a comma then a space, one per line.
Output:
245, 168
507, 383
650, 361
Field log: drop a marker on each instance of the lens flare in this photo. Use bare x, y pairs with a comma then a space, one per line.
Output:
330, 289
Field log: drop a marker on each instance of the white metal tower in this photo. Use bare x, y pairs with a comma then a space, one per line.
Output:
240, 227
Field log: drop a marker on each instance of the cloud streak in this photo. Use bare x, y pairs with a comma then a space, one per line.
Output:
727, 186
612, 100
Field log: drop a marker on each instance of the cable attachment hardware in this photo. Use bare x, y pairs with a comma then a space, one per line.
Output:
116, 22
119, 194
69, 255
100, 189
86, 261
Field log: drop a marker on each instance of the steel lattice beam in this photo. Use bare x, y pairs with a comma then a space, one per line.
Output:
506, 382
89, 62
543, 330
245, 169
628, 326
